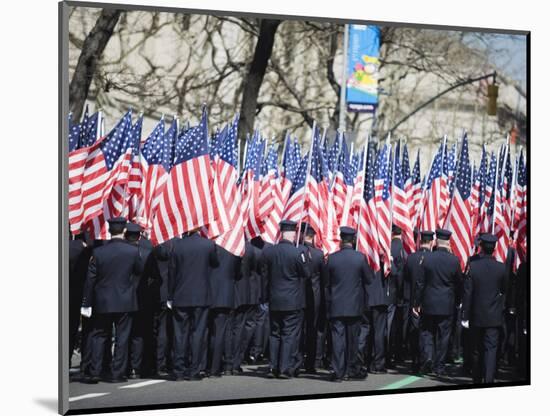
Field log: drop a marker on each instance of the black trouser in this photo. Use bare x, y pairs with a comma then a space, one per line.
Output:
311, 329
378, 329
260, 336
345, 338
393, 332
413, 337
86, 345
364, 342
435, 331
141, 342
189, 326
103, 323
484, 354
218, 326
163, 335
249, 331
240, 316
285, 330
74, 321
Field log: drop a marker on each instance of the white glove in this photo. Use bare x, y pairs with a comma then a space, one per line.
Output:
87, 312
465, 324
169, 304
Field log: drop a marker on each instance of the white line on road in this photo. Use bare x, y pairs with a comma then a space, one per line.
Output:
141, 384
86, 396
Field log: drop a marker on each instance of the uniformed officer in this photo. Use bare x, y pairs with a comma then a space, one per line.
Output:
285, 267
142, 324
79, 255
372, 343
191, 262
411, 272
110, 297
163, 332
395, 317
346, 274
222, 287
254, 300
483, 308
437, 295
245, 305
314, 258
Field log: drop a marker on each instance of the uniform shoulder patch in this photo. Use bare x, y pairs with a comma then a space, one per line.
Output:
303, 257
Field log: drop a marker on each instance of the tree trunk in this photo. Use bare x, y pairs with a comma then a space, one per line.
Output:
92, 49
255, 75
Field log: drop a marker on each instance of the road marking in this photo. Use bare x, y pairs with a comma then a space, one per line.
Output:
400, 383
141, 384
86, 396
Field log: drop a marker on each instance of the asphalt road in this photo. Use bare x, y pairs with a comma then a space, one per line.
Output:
250, 384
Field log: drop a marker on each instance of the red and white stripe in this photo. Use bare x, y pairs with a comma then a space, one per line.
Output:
400, 217
367, 233
186, 202
383, 212
459, 223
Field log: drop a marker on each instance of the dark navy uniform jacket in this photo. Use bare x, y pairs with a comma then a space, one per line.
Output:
111, 281
191, 262
244, 276
484, 290
285, 267
411, 271
396, 276
256, 286
378, 290
438, 286
314, 259
222, 279
79, 256
145, 273
347, 274
161, 258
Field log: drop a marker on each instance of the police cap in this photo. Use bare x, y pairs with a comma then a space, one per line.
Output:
395, 229
116, 225
426, 235
347, 233
442, 234
287, 225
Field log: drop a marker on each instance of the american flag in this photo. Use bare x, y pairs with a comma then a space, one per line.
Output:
332, 157
274, 192
486, 214
401, 205
294, 209
445, 196
503, 214
330, 238
451, 167
74, 134
252, 186
416, 193
186, 201
478, 193
232, 240
342, 187
367, 233
116, 203
357, 176
313, 202
106, 164
88, 132
223, 223
155, 163
520, 212
459, 218
432, 196
382, 181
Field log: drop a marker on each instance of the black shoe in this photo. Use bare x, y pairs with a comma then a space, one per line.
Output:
179, 378
284, 376
426, 367
90, 379
358, 376
238, 370
116, 380
334, 378
161, 374
441, 373
271, 374
196, 377
296, 373
228, 372
311, 371
252, 360
379, 371
133, 375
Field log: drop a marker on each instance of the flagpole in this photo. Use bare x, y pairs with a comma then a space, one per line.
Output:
306, 182
239, 155
365, 150
343, 80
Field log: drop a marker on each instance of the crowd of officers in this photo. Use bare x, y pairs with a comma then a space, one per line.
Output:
188, 309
